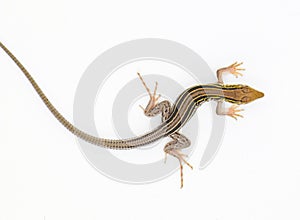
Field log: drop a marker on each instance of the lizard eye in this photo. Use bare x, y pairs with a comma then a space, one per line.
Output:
245, 99
246, 90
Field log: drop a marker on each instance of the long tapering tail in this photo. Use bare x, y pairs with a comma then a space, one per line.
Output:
113, 144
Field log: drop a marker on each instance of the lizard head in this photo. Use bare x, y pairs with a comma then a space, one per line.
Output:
246, 94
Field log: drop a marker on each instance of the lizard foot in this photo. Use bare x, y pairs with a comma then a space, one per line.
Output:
153, 97
233, 69
232, 112
180, 156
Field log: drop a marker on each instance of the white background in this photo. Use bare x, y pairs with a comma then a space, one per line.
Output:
256, 174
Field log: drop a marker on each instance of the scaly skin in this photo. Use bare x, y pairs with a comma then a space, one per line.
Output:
174, 117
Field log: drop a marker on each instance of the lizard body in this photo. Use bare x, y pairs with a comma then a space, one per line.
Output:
174, 117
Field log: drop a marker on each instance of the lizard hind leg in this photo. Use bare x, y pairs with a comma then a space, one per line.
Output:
154, 107
174, 148
153, 97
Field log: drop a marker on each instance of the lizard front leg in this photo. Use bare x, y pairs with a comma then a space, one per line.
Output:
232, 111
154, 107
232, 69
174, 148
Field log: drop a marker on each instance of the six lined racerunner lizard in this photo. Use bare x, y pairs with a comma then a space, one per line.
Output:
174, 117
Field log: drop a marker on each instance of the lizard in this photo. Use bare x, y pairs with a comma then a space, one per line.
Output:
173, 116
